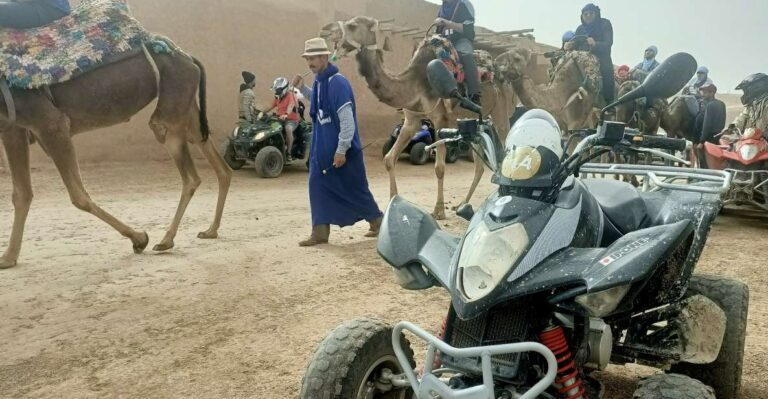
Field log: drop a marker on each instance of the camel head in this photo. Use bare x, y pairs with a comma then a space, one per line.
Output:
512, 64
355, 35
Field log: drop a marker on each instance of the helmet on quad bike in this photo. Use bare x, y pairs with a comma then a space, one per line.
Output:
754, 87
280, 87
534, 153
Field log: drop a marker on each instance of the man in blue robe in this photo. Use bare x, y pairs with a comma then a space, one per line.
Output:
338, 187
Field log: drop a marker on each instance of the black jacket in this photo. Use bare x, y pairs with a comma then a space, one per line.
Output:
713, 113
602, 33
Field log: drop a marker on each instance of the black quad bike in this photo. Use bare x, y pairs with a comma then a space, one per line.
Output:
550, 284
263, 143
417, 147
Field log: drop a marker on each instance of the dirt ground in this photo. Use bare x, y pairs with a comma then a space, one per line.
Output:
82, 316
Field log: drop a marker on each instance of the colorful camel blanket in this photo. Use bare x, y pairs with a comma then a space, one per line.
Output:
96, 32
445, 51
588, 66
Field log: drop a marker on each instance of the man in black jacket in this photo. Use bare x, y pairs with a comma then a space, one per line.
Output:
599, 33
26, 14
710, 121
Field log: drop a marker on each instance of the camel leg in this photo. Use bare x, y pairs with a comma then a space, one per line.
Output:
179, 150
439, 212
479, 170
16, 146
390, 160
58, 145
224, 176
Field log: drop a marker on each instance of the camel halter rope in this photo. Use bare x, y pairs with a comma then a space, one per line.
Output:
379, 45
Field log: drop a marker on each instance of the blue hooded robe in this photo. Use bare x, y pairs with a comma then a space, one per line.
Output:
341, 195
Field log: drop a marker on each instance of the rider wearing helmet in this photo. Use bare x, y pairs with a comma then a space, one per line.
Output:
533, 153
755, 100
27, 14
287, 111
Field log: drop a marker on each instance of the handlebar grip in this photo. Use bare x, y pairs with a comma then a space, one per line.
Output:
662, 143
447, 133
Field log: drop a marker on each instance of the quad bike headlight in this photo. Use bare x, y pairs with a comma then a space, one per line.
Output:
487, 256
748, 152
602, 303
259, 137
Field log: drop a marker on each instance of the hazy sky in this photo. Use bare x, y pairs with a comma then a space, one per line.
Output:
730, 37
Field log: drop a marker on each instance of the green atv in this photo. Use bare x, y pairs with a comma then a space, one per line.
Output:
263, 143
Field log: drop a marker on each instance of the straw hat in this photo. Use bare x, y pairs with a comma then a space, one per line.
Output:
315, 46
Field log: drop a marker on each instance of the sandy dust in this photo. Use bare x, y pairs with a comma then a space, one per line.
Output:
239, 316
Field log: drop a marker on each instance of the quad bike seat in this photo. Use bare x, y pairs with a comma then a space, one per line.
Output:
620, 203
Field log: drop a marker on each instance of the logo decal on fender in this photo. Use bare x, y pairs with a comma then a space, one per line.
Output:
624, 251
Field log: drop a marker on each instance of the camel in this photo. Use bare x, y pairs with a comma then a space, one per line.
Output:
635, 113
410, 91
572, 94
678, 122
103, 97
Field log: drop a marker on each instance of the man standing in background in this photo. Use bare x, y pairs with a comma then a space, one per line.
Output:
338, 187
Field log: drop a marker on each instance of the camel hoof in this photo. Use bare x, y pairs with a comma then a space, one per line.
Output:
139, 246
208, 235
6, 263
163, 246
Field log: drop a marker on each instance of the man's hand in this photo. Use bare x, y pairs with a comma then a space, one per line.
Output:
700, 146
283, 117
591, 42
339, 160
298, 81
569, 46
441, 22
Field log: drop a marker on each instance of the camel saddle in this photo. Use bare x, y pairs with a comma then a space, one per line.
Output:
96, 33
445, 51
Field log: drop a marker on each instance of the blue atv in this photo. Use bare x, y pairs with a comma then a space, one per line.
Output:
417, 147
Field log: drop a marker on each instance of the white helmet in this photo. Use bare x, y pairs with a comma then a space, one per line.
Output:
533, 150
280, 86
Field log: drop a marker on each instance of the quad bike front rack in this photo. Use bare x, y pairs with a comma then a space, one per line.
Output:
703, 181
430, 386
747, 183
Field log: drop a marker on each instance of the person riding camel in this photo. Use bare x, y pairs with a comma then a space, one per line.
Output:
27, 14
648, 64
701, 79
599, 33
287, 111
755, 100
248, 109
456, 21
622, 74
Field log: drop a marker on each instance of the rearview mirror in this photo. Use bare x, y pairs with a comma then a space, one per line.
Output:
441, 79
666, 80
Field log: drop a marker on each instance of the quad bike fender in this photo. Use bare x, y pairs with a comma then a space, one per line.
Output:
632, 258
411, 241
700, 328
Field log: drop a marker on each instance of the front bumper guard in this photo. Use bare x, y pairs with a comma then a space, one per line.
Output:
430, 386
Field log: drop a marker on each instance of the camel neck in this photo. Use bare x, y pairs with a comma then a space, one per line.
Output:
401, 91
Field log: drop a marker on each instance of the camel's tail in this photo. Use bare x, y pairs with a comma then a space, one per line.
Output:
205, 129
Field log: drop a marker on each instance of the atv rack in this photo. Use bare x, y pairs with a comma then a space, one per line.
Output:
704, 181
431, 386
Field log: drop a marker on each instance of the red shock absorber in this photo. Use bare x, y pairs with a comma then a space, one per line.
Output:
568, 381
438, 356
